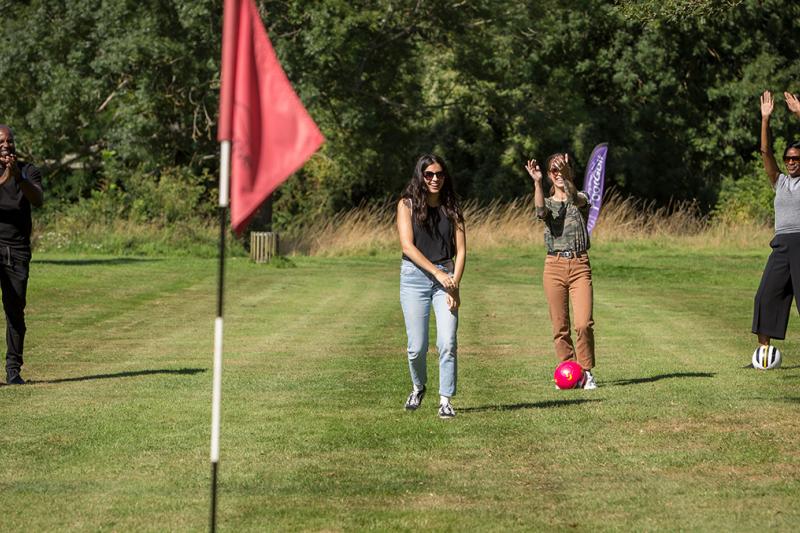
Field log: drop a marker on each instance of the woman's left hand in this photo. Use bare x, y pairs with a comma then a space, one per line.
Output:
453, 300
792, 103
562, 166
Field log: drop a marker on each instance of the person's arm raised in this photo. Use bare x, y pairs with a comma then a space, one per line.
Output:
535, 173
770, 165
562, 163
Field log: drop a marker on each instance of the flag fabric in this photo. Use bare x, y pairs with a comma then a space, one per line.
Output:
271, 133
593, 182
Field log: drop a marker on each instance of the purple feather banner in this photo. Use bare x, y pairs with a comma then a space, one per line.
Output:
594, 181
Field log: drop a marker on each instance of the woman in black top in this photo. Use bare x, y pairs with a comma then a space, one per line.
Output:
431, 228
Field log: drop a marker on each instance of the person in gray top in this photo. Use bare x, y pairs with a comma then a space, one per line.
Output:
781, 278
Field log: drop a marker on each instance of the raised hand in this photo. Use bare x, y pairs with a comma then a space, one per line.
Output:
562, 165
533, 169
792, 102
766, 104
768, 158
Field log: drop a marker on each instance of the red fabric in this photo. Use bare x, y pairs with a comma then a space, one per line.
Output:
270, 131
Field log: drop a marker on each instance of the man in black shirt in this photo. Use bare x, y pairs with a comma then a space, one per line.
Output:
20, 187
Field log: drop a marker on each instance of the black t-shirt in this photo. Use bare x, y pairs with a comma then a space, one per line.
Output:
436, 243
15, 209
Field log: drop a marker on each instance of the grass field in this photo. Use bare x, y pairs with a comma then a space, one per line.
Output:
113, 432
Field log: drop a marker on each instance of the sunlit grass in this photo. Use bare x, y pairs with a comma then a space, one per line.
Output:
113, 431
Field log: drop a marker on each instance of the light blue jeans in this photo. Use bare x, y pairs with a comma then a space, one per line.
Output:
418, 291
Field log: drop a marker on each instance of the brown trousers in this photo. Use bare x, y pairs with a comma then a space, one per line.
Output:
564, 280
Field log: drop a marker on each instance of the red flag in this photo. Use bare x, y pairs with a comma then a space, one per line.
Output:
271, 133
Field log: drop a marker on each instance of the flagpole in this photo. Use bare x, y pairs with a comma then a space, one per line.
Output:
249, 66
216, 395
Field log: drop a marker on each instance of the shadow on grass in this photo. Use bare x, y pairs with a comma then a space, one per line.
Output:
536, 405
788, 399
135, 373
87, 262
659, 377
792, 367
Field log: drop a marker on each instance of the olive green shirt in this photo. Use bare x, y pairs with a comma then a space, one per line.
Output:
565, 225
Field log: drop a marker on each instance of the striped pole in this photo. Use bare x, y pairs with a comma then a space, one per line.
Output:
216, 395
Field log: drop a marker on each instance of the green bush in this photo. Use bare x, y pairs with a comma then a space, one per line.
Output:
171, 212
747, 199
175, 194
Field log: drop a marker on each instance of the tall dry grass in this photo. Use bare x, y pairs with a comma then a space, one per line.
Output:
371, 229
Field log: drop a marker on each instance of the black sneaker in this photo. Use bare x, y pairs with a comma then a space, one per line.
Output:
446, 411
415, 399
13, 378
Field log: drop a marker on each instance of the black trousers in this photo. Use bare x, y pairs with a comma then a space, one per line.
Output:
779, 283
14, 269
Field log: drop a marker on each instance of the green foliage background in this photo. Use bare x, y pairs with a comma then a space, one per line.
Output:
113, 92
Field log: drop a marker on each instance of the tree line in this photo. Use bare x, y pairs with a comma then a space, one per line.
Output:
102, 92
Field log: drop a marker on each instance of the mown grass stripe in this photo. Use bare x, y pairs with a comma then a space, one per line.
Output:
678, 436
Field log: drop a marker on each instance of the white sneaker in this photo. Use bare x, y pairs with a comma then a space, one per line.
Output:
446, 411
415, 399
588, 381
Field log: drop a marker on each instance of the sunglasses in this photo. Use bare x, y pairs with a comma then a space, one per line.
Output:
791, 159
428, 175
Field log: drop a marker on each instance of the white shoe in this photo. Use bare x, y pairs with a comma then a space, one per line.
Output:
588, 381
446, 411
415, 399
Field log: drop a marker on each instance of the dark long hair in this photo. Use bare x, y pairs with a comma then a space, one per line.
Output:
417, 192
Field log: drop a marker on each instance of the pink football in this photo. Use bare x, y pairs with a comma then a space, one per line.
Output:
568, 375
